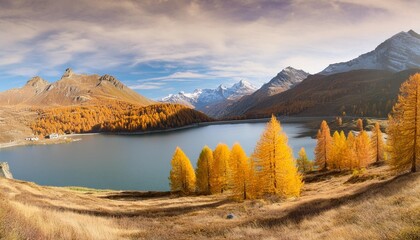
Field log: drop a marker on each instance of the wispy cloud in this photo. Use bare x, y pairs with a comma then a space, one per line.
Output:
179, 77
147, 86
225, 39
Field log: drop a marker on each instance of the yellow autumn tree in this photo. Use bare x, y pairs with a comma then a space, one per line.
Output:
182, 175
350, 156
378, 145
363, 150
273, 158
241, 181
323, 147
338, 150
221, 171
359, 125
203, 172
403, 127
303, 163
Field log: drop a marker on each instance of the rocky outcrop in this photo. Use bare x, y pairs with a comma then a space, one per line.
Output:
111, 79
67, 73
5, 171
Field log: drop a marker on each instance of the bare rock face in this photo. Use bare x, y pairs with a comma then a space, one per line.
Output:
111, 79
5, 171
67, 73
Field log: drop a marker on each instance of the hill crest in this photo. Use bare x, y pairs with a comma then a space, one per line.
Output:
72, 89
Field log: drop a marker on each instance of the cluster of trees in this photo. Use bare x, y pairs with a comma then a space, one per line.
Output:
402, 149
117, 117
271, 169
338, 152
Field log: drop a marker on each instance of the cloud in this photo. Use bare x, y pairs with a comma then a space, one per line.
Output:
224, 39
147, 86
179, 76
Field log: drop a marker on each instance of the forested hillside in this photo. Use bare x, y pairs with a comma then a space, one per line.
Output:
114, 117
358, 93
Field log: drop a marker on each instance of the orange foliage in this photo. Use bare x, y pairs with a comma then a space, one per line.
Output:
121, 117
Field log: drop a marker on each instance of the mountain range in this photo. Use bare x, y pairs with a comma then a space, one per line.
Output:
72, 89
365, 86
207, 100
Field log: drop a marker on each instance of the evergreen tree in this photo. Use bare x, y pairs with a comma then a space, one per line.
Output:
323, 147
303, 163
205, 185
182, 175
277, 172
378, 144
221, 172
403, 127
241, 181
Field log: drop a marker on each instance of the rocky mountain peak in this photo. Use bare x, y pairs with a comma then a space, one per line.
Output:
287, 78
68, 73
397, 53
414, 34
112, 80
36, 82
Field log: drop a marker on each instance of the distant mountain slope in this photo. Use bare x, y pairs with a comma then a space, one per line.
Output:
72, 89
358, 92
211, 101
400, 52
284, 80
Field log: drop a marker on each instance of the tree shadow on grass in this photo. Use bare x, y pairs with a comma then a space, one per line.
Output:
315, 207
147, 213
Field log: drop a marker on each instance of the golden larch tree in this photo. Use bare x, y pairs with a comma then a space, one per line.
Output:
273, 158
378, 145
182, 175
403, 127
350, 156
363, 150
241, 181
323, 146
359, 124
337, 150
221, 171
204, 170
303, 163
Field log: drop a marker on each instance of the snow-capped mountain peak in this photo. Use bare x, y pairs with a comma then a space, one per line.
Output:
400, 52
202, 98
285, 79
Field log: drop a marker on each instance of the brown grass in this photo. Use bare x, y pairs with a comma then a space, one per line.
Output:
379, 206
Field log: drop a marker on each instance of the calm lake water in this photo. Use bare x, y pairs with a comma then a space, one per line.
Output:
140, 162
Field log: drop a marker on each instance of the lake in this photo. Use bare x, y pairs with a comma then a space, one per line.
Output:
132, 162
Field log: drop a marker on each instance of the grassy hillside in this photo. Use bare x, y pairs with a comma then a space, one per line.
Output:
375, 205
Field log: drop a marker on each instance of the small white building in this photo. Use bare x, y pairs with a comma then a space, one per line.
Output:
33, 139
53, 136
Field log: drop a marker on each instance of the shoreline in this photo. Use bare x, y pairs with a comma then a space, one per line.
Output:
68, 138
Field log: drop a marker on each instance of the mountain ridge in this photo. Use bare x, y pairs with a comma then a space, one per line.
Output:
397, 53
207, 99
72, 89
286, 79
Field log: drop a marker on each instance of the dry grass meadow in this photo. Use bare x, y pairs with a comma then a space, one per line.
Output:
375, 205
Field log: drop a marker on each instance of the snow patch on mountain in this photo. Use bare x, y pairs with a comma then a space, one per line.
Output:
398, 53
201, 98
284, 80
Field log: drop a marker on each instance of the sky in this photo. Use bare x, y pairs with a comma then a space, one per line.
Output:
158, 47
